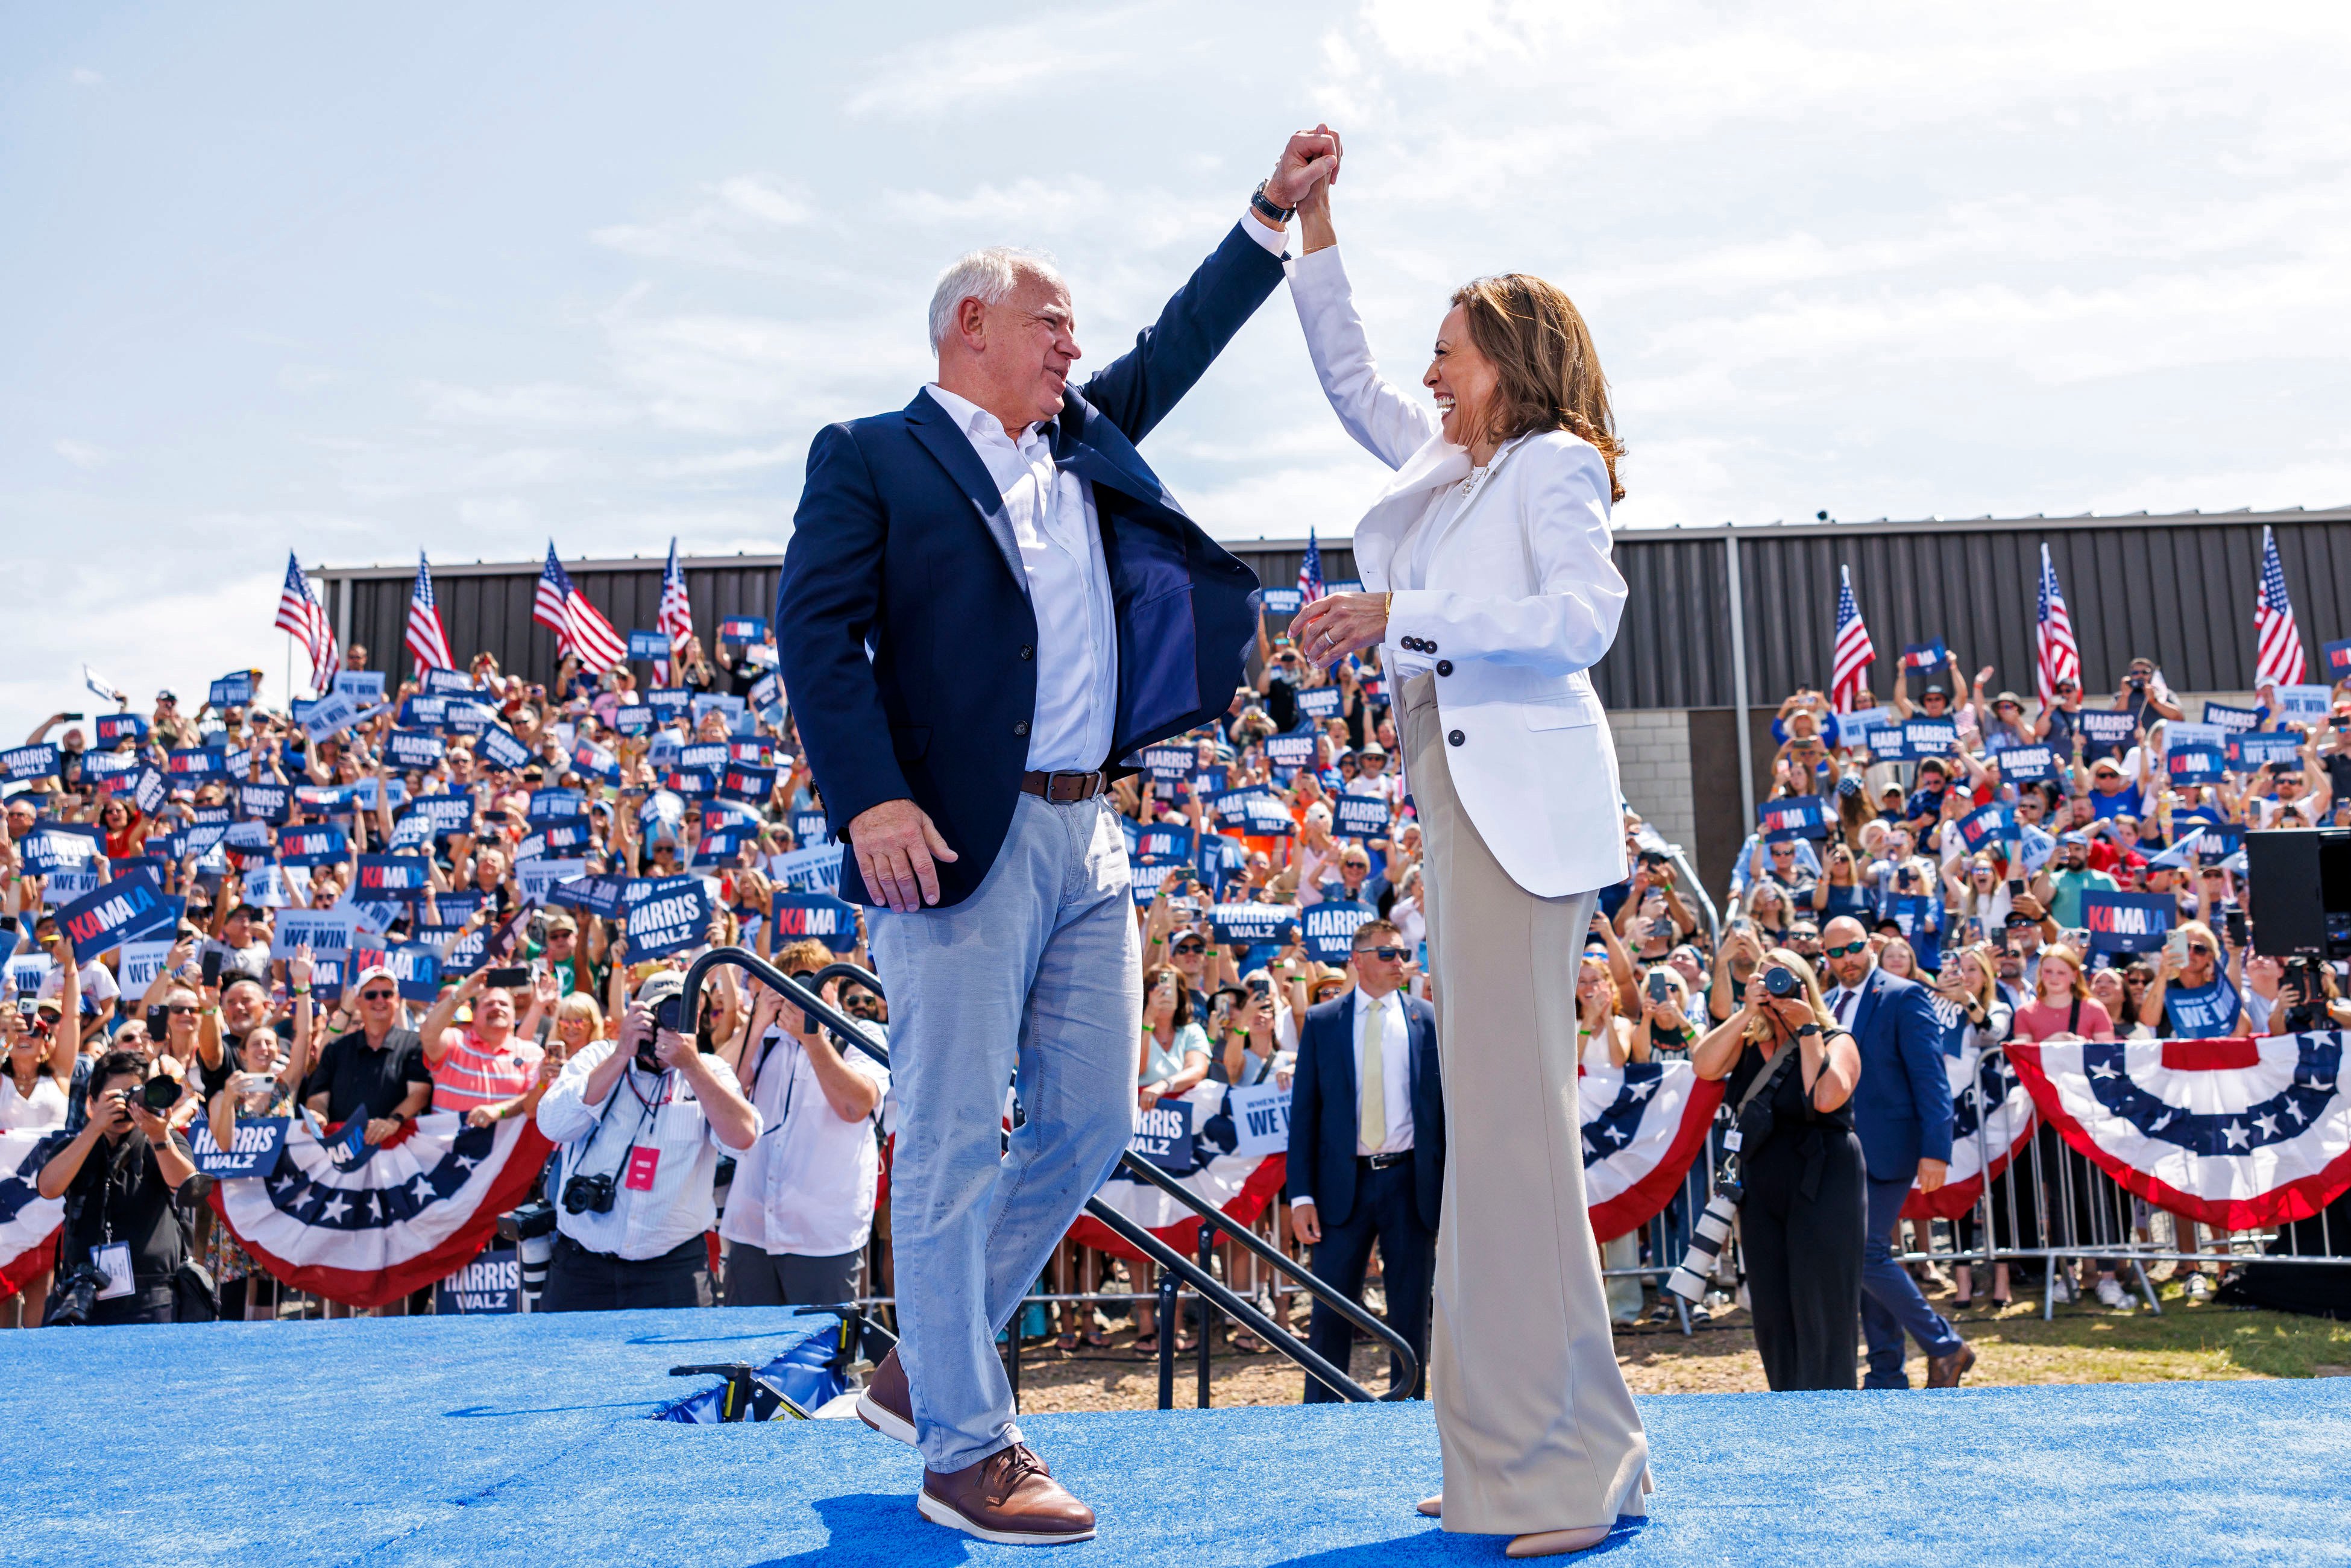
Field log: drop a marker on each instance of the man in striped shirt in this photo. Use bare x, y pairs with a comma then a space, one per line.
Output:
485, 1068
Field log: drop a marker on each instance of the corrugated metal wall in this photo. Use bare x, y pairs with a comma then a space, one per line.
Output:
2179, 590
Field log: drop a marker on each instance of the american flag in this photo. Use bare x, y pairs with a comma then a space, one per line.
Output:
2056, 656
2280, 658
428, 644
1310, 571
1853, 648
300, 612
675, 616
579, 626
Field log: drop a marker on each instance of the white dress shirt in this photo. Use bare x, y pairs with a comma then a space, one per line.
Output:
1396, 1070
647, 1110
1055, 523
807, 1186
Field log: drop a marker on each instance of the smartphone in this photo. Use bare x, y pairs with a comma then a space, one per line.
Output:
2174, 946
2235, 921
211, 967
1260, 986
2015, 887
70, 718
509, 975
1658, 987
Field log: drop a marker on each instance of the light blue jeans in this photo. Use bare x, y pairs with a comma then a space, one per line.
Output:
1040, 972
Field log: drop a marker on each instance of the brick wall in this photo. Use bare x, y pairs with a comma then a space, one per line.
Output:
1653, 761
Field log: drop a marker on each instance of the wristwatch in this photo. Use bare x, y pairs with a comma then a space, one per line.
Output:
1265, 207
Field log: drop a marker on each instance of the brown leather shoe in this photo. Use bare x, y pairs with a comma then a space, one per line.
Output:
1945, 1371
886, 1406
1008, 1498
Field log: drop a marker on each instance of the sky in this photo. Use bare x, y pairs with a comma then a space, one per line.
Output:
354, 281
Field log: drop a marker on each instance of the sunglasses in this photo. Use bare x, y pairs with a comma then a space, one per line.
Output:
182, 1011
377, 995
1848, 951
1391, 954
1191, 946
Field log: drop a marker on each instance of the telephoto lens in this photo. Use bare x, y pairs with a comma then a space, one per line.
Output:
1780, 980
159, 1095
1707, 1240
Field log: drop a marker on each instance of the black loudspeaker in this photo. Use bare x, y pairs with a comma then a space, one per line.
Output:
2298, 882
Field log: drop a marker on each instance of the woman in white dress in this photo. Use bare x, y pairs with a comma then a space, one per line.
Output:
1490, 594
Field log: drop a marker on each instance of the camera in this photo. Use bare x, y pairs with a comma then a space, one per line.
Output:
1780, 981
588, 1195
1705, 1251
2137, 683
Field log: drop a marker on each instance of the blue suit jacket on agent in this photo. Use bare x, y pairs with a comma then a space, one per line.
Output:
907, 641
1324, 1116
1902, 1107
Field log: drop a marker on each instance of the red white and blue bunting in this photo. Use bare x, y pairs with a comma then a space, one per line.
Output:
1239, 1184
414, 1212
1992, 1120
28, 1222
2235, 1134
1644, 1124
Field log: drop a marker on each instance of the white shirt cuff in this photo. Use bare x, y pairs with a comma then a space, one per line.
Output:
1303, 1200
1264, 233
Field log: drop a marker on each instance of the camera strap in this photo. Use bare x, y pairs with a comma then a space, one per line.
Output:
644, 1111
1736, 1154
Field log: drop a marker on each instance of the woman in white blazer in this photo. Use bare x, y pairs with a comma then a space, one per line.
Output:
1491, 594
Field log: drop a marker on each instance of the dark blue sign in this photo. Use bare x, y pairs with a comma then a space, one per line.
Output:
743, 628
646, 646
424, 711
2191, 765
2248, 752
2104, 727
97, 922
2027, 764
54, 847
322, 843
1360, 816
669, 702
810, 830
448, 813
1928, 656
22, 763
1793, 817
114, 727
829, 920
499, 748
1329, 928
417, 968
492, 1283
233, 690
2235, 720
418, 749
1925, 737
1986, 825
1163, 1135
554, 806
2335, 664
633, 718
667, 914
264, 803
448, 683
752, 786
256, 1147
596, 895
384, 878
1319, 703
1163, 844
1251, 923
2128, 922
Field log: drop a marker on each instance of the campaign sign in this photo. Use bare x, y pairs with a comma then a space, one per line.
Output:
700, 703
448, 683
2221, 840
644, 646
257, 1145
232, 690
416, 748
661, 752
2235, 720
460, 717
742, 782
740, 629
54, 847
1986, 825
448, 813
1330, 928
249, 837
1925, 737
708, 757
2304, 705
424, 711
207, 826
492, 1283
497, 748
759, 751
818, 914
141, 962
384, 878
329, 716
1163, 844
1260, 1114
193, 765
693, 786
667, 914
417, 968
1319, 703
2248, 752
267, 886
114, 727
552, 840
554, 806
1920, 915
1289, 750
21, 764
149, 789
364, 687
318, 843
2102, 726
1163, 1135
633, 718
1928, 656
596, 895
669, 702
2195, 764
2027, 764
1283, 602
264, 803
1250, 923
810, 830
2128, 922
1168, 763
537, 878
814, 870
1793, 817
2335, 659
331, 933
767, 699
97, 922
1355, 816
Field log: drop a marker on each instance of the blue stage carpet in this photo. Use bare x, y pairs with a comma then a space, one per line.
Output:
477, 1440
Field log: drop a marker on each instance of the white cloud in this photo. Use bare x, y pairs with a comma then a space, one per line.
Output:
546, 403
85, 77
1044, 56
81, 454
734, 224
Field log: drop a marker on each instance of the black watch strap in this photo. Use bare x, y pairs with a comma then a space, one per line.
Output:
1265, 206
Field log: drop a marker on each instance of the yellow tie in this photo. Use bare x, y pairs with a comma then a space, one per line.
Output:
1372, 1097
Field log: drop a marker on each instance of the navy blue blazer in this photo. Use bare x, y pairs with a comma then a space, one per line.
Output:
1902, 1107
1324, 1117
906, 640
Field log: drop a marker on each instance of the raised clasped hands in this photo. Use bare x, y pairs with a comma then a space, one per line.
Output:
1310, 158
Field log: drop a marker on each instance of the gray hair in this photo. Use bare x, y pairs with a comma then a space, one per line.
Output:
988, 275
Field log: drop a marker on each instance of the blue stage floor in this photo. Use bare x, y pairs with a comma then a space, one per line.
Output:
479, 1440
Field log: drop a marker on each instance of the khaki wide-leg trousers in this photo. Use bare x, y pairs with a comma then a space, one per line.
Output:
1537, 1428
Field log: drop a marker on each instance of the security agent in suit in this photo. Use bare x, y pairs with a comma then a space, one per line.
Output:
1367, 1148
1902, 1114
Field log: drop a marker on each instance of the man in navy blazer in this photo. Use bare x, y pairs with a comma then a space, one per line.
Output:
1367, 1148
989, 603
1902, 1114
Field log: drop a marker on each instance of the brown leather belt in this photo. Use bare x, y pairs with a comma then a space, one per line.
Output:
1062, 789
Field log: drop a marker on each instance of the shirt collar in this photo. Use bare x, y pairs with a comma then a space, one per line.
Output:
975, 421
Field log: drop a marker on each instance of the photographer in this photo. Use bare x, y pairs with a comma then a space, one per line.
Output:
118, 1216
1804, 1205
801, 1210
645, 1119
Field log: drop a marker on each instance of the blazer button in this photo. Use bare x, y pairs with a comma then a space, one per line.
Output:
1427, 647
1022, 728
1443, 667
1456, 738
1026, 651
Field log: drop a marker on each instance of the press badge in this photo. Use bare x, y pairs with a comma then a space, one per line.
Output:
113, 1261
643, 1163
1731, 1140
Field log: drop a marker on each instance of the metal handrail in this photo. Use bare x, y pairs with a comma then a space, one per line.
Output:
1206, 1285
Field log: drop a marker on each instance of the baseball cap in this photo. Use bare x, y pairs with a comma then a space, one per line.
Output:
2106, 765
2076, 837
374, 971
660, 988
2007, 697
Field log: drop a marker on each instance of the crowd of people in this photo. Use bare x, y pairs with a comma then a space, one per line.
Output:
1272, 852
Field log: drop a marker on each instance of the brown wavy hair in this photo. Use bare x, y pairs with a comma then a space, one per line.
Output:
1548, 372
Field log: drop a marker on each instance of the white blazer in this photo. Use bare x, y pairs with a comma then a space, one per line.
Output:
1521, 599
